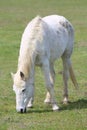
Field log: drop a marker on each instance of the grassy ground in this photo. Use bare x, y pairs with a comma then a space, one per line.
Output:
14, 16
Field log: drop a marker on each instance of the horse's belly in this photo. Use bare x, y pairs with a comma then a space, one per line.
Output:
38, 60
56, 53
58, 45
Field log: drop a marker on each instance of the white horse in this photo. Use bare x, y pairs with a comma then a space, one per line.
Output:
44, 40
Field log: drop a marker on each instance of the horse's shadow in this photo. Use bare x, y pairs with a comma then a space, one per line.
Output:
79, 104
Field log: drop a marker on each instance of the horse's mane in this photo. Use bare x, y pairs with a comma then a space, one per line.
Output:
36, 29
31, 35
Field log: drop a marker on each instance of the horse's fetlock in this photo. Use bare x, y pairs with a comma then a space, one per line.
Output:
65, 100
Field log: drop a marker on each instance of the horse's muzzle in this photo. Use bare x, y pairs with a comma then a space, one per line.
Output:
22, 110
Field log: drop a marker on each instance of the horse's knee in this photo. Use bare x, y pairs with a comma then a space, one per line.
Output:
49, 86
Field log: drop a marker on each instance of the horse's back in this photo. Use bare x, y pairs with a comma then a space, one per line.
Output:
53, 20
61, 36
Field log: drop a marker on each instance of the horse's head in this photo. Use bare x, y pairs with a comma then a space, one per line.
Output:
22, 90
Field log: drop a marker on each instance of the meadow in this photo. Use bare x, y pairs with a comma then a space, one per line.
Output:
14, 16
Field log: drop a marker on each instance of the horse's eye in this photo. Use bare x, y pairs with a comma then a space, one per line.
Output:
23, 90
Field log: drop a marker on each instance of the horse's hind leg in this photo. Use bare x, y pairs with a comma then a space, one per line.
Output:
49, 84
65, 78
52, 78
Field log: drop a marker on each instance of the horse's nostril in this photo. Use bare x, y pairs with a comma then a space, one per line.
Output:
21, 110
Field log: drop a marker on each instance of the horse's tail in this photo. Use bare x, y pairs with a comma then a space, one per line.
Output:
72, 76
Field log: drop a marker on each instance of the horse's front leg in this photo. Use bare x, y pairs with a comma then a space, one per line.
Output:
52, 78
49, 84
30, 103
31, 84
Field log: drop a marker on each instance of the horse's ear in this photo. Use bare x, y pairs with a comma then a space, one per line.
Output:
22, 75
12, 75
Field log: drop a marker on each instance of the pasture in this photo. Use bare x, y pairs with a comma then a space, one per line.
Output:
14, 16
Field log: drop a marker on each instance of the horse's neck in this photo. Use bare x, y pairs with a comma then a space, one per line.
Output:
26, 64
28, 46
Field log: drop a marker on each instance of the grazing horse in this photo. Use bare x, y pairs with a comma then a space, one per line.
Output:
44, 40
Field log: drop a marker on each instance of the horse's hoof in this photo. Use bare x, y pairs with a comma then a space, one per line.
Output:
55, 108
66, 102
47, 101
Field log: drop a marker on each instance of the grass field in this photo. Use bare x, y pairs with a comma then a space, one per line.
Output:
14, 16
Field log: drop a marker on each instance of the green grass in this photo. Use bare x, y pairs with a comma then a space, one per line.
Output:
14, 16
